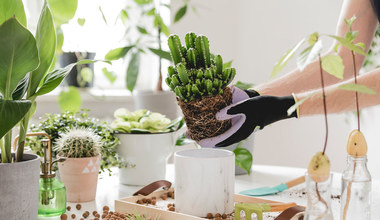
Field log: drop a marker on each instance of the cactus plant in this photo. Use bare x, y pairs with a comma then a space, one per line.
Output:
78, 143
200, 83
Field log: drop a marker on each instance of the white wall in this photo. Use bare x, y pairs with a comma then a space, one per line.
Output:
255, 34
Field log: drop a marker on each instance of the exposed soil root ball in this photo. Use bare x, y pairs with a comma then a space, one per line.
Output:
200, 115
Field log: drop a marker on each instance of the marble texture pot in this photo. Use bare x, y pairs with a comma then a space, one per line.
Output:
204, 181
19, 189
80, 176
148, 153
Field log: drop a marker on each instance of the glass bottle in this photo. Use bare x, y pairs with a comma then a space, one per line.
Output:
52, 197
318, 199
356, 189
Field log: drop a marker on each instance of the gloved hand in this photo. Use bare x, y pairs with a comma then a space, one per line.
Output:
248, 114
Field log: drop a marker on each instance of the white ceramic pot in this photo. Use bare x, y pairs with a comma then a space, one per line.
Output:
204, 181
148, 153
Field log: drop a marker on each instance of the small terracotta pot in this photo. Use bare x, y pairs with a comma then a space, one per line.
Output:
80, 176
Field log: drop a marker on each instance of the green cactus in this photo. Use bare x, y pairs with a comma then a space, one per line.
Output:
196, 72
78, 143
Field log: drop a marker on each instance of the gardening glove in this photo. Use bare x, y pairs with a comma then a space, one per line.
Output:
249, 114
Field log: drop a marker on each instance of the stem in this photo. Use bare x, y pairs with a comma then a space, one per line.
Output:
2, 148
324, 103
356, 93
348, 194
21, 142
159, 83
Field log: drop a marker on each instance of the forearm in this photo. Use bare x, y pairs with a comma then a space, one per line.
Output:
339, 100
309, 78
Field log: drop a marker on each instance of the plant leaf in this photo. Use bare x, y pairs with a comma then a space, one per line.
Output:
158, 22
8, 8
21, 88
176, 124
243, 158
70, 100
103, 16
63, 10
18, 55
227, 65
357, 88
46, 44
133, 71
143, 2
81, 21
111, 76
151, 12
285, 59
183, 140
361, 45
333, 64
308, 55
294, 107
180, 13
124, 16
142, 30
118, 53
244, 86
161, 53
11, 112
349, 45
313, 38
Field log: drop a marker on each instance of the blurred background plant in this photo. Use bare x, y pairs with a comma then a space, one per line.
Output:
57, 124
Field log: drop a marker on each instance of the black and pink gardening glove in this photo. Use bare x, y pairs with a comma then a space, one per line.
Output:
247, 114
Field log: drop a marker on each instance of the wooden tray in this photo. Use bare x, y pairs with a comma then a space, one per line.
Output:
129, 205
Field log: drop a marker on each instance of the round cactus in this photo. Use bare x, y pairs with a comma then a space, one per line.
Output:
78, 143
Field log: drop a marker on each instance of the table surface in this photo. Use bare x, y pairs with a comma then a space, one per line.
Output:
109, 189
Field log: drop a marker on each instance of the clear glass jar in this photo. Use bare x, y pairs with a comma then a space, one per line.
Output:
318, 199
52, 197
356, 190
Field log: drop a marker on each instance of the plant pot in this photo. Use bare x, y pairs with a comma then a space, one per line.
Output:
80, 176
163, 102
19, 189
148, 153
247, 144
74, 78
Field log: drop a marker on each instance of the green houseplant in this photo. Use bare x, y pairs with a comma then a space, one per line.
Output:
79, 172
24, 75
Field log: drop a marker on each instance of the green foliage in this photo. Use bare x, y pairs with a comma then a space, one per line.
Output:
180, 13
70, 100
11, 112
243, 158
78, 143
357, 88
243, 85
196, 72
63, 10
56, 124
111, 76
333, 64
133, 71
285, 58
144, 121
9, 8
118, 53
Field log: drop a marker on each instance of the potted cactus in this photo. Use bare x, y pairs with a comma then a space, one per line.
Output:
200, 81
79, 172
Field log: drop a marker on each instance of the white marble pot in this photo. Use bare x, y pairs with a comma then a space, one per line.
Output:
148, 153
204, 181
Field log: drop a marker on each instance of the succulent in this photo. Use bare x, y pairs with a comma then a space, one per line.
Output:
196, 72
78, 143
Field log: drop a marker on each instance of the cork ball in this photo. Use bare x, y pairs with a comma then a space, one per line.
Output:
319, 167
356, 144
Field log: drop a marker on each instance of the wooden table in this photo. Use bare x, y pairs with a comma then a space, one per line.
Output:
109, 188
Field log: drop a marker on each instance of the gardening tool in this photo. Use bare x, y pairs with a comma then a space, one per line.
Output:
259, 208
263, 191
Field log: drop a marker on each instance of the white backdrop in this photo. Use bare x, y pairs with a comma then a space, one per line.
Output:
255, 34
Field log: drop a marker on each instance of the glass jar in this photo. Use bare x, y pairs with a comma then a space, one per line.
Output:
356, 189
318, 199
52, 197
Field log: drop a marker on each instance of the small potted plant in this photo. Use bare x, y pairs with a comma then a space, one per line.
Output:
79, 173
147, 140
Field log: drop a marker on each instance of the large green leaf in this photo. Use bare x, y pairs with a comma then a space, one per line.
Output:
8, 8
70, 100
161, 53
308, 55
63, 10
133, 71
18, 55
333, 64
351, 46
243, 158
46, 43
357, 88
180, 13
285, 59
118, 53
11, 112
21, 89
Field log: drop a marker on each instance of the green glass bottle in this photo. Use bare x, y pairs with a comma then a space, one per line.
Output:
52, 197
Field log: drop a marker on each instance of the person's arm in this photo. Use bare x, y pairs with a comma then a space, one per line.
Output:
339, 100
309, 78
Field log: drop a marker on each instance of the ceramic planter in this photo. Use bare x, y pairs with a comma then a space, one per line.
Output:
19, 189
80, 176
163, 101
148, 153
204, 181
